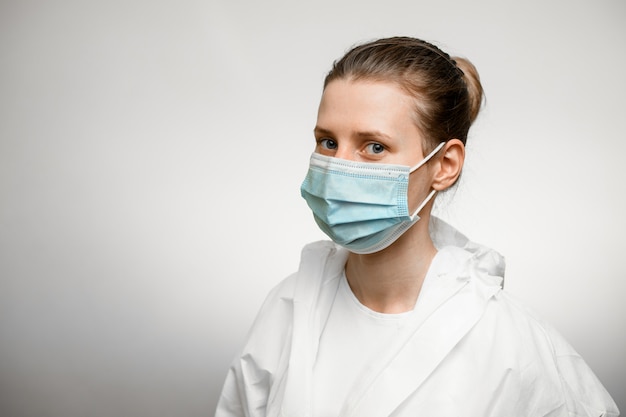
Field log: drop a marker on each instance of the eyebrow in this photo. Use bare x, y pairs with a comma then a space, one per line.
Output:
366, 134
322, 132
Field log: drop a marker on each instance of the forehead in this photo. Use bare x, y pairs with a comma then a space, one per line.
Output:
365, 104
364, 93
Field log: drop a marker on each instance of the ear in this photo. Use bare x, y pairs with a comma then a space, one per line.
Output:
449, 165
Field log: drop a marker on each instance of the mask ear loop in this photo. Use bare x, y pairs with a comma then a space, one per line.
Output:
421, 206
428, 157
433, 192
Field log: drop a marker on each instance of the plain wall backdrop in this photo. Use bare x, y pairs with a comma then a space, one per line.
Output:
151, 154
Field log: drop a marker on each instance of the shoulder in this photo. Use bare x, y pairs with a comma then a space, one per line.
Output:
515, 324
320, 262
548, 365
519, 352
270, 332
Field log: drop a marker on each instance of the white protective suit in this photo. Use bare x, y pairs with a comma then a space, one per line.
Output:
470, 351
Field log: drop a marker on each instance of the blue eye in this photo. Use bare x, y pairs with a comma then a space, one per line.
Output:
375, 148
328, 144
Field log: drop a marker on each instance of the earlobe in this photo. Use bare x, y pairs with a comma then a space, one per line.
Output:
450, 164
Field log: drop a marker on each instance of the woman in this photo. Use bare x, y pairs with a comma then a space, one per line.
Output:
400, 315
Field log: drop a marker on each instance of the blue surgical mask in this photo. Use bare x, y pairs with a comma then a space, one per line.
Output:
361, 206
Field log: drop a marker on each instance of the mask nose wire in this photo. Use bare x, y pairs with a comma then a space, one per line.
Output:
414, 168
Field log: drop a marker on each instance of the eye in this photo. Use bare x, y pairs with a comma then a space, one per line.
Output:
328, 144
375, 148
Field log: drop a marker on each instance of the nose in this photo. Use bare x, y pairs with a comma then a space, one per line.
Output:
345, 152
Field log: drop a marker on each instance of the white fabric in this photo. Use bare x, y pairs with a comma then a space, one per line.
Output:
352, 337
468, 350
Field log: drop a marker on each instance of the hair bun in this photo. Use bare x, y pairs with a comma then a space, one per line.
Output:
474, 87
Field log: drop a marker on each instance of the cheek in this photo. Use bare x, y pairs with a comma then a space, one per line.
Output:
419, 187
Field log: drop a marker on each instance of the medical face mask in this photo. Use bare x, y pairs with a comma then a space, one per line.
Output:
361, 206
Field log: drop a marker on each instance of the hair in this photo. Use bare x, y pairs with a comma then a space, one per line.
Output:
446, 90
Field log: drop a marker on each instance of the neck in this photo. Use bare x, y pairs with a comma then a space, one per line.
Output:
389, 281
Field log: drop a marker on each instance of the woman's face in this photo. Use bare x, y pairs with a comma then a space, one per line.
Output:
372, 121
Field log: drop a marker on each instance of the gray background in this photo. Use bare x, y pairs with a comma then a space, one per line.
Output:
151, 154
